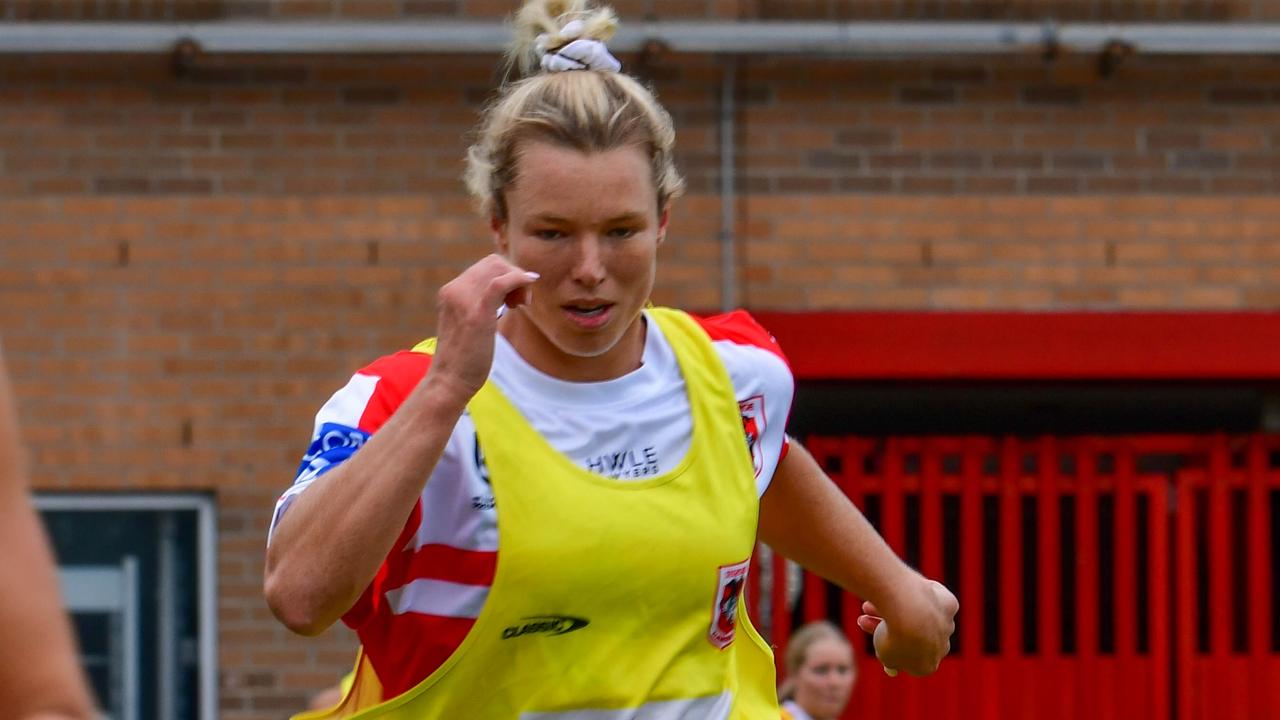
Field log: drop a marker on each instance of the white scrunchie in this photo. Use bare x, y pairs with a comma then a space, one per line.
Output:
580, 54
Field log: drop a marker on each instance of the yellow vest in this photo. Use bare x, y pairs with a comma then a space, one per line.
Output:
608, 595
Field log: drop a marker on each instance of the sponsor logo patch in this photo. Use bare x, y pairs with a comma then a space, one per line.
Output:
332, 444
724, 614
630, 464
545, 625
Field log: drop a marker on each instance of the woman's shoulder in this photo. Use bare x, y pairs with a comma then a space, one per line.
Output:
738, 327
377, 389
405, 366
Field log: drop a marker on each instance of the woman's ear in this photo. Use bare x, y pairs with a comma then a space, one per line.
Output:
499, 228
664, 218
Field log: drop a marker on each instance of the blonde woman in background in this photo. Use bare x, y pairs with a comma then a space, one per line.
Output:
548, 511
40, 676
820, 673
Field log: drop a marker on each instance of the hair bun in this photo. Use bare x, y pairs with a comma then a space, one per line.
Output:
543, 26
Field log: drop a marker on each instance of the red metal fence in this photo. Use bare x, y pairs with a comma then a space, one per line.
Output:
1107, 578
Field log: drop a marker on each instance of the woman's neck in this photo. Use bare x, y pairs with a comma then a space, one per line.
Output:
545, 356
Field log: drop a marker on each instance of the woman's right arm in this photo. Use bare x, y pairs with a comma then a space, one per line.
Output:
326, 550
40, 677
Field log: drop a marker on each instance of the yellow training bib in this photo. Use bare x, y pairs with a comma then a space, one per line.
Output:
612, 600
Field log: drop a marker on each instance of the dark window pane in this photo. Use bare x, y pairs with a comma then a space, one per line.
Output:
133, 571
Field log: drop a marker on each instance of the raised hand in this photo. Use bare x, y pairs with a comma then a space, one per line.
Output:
467, 310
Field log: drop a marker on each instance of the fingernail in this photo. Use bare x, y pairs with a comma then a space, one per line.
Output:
532, 275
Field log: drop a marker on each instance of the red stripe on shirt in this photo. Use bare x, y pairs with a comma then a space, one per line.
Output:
389, 576
397, 375
405, 649
451, 564
739, 327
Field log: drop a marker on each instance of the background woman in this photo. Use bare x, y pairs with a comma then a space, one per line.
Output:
820, 673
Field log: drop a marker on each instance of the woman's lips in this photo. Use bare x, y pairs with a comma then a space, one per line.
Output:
589, 320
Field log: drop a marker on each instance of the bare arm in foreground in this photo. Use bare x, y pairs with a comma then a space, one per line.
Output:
40, 677
804, 516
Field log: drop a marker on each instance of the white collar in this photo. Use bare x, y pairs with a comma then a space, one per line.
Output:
656, 359
796, 711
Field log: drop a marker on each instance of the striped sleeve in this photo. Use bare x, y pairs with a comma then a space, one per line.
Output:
350, 417
763, 384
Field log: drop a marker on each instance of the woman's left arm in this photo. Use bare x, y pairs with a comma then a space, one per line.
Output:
806, 518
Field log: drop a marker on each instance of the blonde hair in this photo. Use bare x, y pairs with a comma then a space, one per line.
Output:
586, 110
798, 650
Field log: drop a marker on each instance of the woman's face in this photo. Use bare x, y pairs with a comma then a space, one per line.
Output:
825, 680
589, 225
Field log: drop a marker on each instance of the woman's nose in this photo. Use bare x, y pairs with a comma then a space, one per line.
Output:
588, 266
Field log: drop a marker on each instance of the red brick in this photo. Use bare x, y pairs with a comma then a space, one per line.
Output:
1209, 297
1023, 298
1149, 206
1085, 296
1145, 298
961, 298
987, 275
1142, 252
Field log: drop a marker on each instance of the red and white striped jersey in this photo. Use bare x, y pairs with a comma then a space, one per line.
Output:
431, 587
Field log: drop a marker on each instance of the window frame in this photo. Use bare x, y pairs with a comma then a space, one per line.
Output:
206, 511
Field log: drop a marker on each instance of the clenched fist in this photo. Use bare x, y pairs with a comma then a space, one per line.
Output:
916, 636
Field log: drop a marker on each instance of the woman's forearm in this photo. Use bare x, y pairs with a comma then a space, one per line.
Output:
40, 675
329, 545
804, 516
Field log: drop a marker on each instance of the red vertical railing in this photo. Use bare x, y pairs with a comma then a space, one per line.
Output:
1011, 664
975, 673
1189, 515
1237, 674
1186, 601
1262, 684
1052, 664
1220, 578
1159, 624
1126, 665
1084, 670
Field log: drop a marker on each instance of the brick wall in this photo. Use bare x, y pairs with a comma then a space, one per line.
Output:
1100, 10
189, 265
1014, 126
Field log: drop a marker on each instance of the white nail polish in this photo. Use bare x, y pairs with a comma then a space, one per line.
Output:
532, 275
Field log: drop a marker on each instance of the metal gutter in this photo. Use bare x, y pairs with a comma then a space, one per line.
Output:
903, 39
